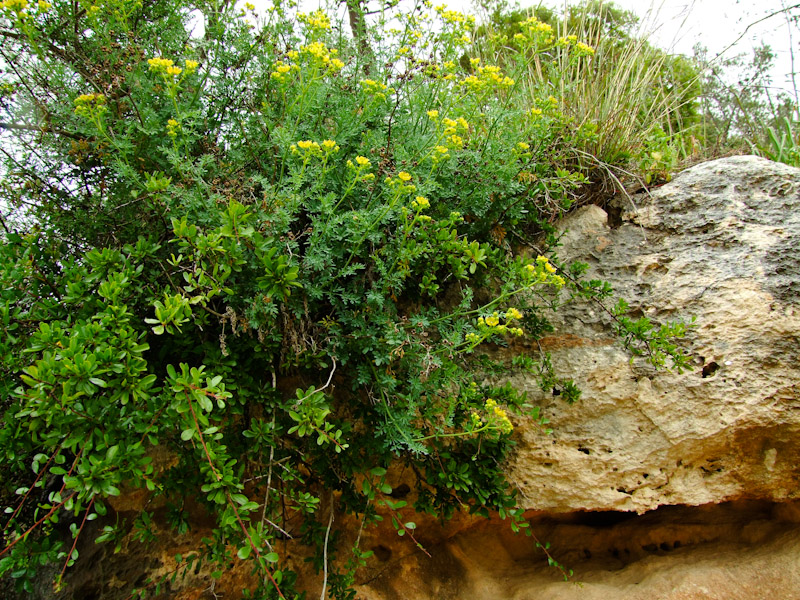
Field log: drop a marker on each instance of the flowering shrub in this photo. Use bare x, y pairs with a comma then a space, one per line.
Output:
278, 252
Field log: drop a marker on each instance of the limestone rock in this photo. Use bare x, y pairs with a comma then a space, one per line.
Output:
720, 243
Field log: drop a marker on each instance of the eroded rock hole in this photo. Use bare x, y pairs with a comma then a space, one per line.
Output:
710, 369
382, 553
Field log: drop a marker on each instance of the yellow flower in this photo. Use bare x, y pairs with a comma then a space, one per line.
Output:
433, 114
420, 203
403, 176
191, 65
172, 128
456, 141
174, 71
523, 146
159, 64
304, 144
16, 5
362, 161
513, 313
329, 146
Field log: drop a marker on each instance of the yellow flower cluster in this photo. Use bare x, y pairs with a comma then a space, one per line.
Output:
374, 88
420, 203
548, 105
90, 105
362, 163
491, 325
282, 71
513, 313
542, 271
439, 154
487, 78
567, 41
309, 148
451, 127
169, 69
173, 127
453, 17
319, 53
497, 417
449, 130
494, 418
329, 146
534, 31
317, 21
582, 49
402, 183
17, 6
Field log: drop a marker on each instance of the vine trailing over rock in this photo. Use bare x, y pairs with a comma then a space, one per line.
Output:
230, 242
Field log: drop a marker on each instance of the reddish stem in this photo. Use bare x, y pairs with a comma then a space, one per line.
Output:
35, 525
42, 471
404, 528
74, 543
231, 503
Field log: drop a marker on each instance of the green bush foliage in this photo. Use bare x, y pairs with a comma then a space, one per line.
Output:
277, 251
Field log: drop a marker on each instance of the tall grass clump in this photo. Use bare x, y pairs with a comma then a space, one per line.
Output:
625, 108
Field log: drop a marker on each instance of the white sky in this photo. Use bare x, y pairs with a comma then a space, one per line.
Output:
677, 25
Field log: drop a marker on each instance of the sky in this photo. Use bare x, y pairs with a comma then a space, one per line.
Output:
677, 25
728, 26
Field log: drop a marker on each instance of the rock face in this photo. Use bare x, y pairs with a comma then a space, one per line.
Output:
720, 243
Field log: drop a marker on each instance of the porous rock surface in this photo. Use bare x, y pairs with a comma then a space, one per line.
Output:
721, 243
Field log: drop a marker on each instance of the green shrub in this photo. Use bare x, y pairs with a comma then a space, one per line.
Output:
278, 252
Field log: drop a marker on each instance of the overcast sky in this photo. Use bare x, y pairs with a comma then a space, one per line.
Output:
680, 24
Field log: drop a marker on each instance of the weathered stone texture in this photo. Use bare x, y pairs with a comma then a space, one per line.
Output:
720, 243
